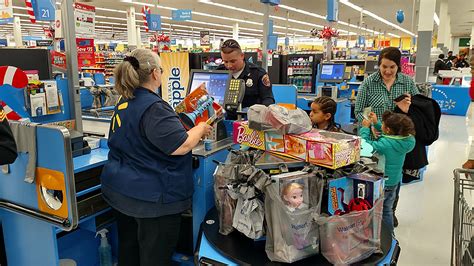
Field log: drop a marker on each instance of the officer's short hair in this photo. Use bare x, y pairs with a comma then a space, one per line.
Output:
230, 46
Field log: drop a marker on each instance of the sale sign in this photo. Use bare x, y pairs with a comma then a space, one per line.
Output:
85, 52
85, 19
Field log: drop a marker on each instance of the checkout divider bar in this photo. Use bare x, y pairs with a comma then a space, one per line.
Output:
57, 221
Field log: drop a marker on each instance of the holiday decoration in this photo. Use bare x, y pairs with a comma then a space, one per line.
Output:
145, 11
326, 33
31, 13
400, 16
160, 38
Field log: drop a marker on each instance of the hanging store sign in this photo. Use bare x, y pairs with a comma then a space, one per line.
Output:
44, 10
84, 16
6, 11
182, 14
58, 28
85, 52
154, 22
175, 77
205, 38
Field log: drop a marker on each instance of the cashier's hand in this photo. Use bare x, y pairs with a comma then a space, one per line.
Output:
366, 123
205, 129
404, 104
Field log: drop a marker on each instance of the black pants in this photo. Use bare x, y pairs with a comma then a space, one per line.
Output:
147, 241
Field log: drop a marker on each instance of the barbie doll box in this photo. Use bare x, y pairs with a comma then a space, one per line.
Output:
328, 149
268, 140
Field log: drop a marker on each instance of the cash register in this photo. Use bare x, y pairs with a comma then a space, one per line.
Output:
331, 75
225, 90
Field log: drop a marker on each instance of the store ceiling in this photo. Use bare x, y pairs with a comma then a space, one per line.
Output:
220, 16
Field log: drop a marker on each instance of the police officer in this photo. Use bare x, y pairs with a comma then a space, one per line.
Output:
258, 88
8, 152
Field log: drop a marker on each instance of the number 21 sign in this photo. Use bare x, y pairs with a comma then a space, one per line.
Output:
44, 10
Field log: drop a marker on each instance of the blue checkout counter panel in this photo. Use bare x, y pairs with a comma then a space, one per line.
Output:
453, 100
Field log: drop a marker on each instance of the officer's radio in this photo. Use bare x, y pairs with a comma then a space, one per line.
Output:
234, 95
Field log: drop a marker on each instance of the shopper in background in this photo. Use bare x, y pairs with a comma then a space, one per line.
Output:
396, 141
8, 151
323, 111
148, 176
452, 61
258, 88
380, 89
440, 64
462, 63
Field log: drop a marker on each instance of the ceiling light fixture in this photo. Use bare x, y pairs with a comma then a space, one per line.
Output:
436, 18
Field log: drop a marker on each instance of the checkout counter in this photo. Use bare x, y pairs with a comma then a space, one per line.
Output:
452, 91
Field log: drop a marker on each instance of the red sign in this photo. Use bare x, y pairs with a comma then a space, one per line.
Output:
85, 52
58, 59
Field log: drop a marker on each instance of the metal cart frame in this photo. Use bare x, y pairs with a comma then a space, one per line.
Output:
462, 245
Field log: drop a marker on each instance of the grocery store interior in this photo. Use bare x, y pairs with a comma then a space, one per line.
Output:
248, 98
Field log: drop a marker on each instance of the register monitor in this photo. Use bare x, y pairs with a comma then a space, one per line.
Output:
332, 72
217, 83
371, 66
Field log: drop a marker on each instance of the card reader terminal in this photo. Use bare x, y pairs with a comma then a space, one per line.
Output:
235, 94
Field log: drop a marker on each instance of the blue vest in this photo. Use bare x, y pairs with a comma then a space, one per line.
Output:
135, 167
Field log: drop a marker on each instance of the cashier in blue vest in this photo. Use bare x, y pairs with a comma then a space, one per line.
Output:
258, 88
147, 179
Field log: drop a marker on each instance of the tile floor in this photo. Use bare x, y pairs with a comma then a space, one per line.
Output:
425, 211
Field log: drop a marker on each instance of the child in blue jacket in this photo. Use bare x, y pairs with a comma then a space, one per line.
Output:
397, 139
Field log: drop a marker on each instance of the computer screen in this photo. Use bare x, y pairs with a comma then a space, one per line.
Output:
371, 66
216, 83
28, 59
332, 72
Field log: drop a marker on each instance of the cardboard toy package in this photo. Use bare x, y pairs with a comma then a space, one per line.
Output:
324, 148
330, 149
198, 107
343, 190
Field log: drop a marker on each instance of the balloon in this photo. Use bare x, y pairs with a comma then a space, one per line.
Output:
400, 16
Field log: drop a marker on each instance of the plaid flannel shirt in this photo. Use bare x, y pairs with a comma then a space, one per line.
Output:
374, 93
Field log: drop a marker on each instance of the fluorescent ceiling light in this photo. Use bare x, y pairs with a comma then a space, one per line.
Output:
302, 11
436, 18
111, 10
231, 7
394, 35
347, 3
232, 19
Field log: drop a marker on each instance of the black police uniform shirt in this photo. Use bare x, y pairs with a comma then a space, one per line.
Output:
8, 151
258, 88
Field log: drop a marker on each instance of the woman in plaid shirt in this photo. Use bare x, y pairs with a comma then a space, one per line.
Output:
379, 91
381, 88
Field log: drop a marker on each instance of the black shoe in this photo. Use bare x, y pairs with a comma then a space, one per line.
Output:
395, 220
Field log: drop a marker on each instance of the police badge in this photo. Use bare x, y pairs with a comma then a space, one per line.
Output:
249, 83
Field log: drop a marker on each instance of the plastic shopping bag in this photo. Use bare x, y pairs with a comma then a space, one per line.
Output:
292, 234
351, 237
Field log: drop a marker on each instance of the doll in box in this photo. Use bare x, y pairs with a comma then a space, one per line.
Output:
292, 196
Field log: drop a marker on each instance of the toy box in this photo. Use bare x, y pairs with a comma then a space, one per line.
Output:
286, 182
199, 107
324, 148
330, 149
342, 190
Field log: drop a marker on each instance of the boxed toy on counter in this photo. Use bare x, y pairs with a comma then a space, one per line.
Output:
353, 193
330, 149
324, 148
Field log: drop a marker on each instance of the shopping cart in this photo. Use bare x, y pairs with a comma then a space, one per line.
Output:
462, 245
